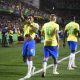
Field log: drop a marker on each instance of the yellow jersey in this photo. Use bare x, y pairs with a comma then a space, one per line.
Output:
71, 27
27, 29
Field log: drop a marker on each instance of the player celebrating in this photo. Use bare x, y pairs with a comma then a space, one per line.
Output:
28, 49
50, 31
72, 31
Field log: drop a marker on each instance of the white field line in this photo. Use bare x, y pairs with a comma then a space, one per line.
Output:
38, 71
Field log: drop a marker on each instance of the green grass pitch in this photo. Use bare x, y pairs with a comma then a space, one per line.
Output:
13, 68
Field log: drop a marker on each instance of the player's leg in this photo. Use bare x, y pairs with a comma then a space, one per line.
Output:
70, 57
30, 54
28, 61
55, 66
55, 53
44, 67
30, 64
73, 61
73, 51
73, 46
46, 56
70, 62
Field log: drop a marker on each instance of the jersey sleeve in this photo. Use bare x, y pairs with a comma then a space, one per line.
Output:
42, 28
66, 27
37, 26
78, 27
57, 27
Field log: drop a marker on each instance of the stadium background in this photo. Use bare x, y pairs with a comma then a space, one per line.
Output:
15, 11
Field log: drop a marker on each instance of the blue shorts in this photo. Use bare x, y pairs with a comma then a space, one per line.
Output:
28, 48
51, 51
72, 45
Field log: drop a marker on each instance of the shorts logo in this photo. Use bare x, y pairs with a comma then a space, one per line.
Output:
32, 51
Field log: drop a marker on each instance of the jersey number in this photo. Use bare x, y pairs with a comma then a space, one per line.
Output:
49, 31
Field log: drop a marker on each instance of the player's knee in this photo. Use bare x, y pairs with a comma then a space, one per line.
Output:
55, 61
30, 58
24, 58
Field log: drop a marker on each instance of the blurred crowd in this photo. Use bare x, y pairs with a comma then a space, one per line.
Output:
10, 24
8, 27
21, 8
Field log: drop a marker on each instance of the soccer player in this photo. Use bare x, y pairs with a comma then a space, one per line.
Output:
28, 49
50, 31
72, 32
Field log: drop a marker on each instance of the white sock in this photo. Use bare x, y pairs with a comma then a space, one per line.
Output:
55, 68
73, 60
30, 64
44, 66
27, 62
70, 61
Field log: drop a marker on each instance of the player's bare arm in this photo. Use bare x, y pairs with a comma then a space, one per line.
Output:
64, 38
57, 37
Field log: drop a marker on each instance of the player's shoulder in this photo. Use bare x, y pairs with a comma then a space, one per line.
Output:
56, 24
69, 23
45, 24
35, 23
73, 22
77, 23
25, 25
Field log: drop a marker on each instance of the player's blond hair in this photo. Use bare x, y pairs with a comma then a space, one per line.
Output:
53, 17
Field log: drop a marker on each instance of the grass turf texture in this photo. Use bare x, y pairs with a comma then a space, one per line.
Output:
13, 68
